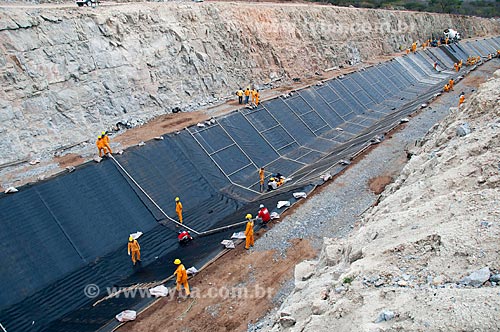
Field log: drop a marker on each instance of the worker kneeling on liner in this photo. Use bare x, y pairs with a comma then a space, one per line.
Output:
182, 277
264, 214
184, 237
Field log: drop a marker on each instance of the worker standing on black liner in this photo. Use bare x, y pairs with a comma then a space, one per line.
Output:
178, 208
134, 250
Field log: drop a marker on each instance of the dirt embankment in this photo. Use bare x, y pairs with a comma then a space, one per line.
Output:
68, 73
426, 258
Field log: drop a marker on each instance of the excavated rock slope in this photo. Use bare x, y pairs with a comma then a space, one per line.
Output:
427, 257
68, 73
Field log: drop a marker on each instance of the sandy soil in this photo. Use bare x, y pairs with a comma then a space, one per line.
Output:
238, 269
378, 184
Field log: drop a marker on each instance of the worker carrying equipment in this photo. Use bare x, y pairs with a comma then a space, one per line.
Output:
134, 250
182, 278
249, 232
450, 83
178, 208
264, 214
184, 237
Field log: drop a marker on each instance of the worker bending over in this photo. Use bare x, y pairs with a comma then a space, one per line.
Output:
178, 208
461, 99
249, 232
184, 237
134, 250
264, 214
182, 277
446, 88
101, 146
272, 184
451, 82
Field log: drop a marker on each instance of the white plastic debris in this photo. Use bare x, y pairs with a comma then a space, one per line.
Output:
97, 159
212, 121
192, 270
141, 144
423, 105
274, 215
200, 125
403, 120
344, 162
126, 315
229, 244
326, 177
120, 152
136, 235
70, 168
34, 162
300, 195
239, 235
159, 291
11, 190
159, 138
282, 204
339, 129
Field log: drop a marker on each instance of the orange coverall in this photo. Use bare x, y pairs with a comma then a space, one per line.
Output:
457, 68
450, 83
182, 279
101, 146
257, 96
178, 210
254, 94
135, 249
261, 178
249, 234
461, 100
105, 139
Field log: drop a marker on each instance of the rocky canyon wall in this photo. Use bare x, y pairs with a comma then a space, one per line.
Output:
68, 73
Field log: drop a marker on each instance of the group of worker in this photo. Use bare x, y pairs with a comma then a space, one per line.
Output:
103, 144
254, 94
449, 86
275, 182
264, 216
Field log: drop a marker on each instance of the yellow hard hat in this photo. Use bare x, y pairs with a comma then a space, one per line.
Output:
99, 136
271, 179
130, 238
177, 199
249, 216
103, 133
177, 261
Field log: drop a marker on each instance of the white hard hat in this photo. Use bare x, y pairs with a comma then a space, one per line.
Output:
261, 206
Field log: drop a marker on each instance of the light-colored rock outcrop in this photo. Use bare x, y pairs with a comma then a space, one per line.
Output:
429, 252
68, 73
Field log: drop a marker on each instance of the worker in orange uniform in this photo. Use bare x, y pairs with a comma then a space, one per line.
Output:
460, 64
239, 93
450, 83
498, 53
414, 47
262, 176
182, 277
407, 51
178, 208
105, 138
247, 94
249, 232
461, 99
254, 95
134, 250
257, 97
446, 88
456, 66
101, 146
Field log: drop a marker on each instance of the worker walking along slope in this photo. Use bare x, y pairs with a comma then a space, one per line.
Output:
247, 94
182, 278
178, 208
249, 232
239, 93
134, 250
